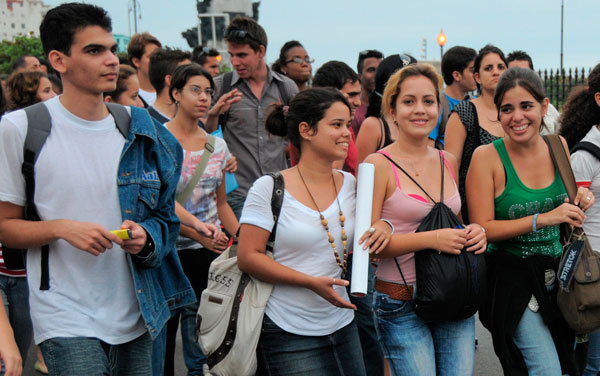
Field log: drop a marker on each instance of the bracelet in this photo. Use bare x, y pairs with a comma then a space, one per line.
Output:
482, 229
437, 237
389, 224
534, 223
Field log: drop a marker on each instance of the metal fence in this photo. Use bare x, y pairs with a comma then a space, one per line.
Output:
558, 84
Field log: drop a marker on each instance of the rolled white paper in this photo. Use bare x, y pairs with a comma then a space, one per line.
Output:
362, 222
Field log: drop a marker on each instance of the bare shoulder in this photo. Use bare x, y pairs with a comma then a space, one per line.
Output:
485, 154
370, 124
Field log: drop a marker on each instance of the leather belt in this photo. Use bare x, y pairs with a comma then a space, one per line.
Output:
394, 290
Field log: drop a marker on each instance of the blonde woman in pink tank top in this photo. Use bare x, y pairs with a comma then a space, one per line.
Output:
412, 345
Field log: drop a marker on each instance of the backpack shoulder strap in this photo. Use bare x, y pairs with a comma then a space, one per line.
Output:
38, 130
39, 125
587, 146
226, 88
121, 116
276, 203
283, 94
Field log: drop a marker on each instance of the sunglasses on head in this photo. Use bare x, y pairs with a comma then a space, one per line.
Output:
240, 34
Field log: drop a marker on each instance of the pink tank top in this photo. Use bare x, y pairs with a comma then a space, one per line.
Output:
407, 212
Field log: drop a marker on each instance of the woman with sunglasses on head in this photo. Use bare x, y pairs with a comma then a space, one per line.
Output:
580, 121
516, 193
191, 90
308, 326
295, 63
407, 181
379, 129
474, 122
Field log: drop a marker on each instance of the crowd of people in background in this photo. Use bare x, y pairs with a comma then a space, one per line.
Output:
123, 144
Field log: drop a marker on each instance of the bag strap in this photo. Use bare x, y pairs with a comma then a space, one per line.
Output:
121, 116
419, 185
39, 125
562, 164
587, 146
209, 148
276, 203
227, 344
285, 100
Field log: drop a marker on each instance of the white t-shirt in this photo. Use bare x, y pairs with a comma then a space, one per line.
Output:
75, 176
551, 120
148, 96
301, 244
586, 168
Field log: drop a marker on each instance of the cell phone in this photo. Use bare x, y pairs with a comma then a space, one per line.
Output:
124, 234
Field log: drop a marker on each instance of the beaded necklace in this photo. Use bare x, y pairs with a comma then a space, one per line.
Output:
343, 266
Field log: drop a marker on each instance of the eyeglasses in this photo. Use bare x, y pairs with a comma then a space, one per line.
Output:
205, 51
240, 34
197, 91
299, 60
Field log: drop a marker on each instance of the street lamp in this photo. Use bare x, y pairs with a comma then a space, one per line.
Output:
441, 39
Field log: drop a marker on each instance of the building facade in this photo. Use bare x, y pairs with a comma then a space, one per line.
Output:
21, 17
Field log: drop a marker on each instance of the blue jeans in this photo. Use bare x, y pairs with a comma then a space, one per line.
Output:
593, 360
414, 346
365, 321
15, 295
236, 202
283, 353
192, 353
82, 356
535, 342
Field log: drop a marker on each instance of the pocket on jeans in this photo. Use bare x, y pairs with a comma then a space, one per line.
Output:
268, 326
386, 307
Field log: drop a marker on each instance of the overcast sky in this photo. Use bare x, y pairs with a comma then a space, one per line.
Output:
339, 29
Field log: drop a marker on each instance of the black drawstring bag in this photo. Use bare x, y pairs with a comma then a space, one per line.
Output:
449, 287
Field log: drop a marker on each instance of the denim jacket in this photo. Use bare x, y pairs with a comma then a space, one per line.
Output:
148, 173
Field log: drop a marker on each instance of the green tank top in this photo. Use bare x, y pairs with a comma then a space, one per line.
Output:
518, 201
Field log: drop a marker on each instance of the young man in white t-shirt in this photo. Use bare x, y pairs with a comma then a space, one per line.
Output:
103, 299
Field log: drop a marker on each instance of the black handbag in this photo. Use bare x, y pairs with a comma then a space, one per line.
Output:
449, 287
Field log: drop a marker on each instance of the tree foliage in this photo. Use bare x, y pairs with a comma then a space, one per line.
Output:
21, 45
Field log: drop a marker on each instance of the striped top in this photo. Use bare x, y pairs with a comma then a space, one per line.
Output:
9, 273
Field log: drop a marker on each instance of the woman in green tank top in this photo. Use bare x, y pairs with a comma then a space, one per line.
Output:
514, 191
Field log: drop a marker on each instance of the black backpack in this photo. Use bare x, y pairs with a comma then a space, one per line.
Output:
39, 125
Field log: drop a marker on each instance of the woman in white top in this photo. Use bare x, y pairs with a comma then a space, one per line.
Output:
580, 121
309, 327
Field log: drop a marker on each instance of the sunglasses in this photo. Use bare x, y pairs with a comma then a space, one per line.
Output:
240, 34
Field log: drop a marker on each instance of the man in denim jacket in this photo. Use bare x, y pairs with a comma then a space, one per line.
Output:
107, 298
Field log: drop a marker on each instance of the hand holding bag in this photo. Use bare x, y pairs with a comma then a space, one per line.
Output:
579, 271
449, 287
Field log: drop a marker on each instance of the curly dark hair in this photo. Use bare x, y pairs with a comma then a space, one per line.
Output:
580, 111
22, 89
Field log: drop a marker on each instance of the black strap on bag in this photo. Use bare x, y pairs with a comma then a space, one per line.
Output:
228, 78
39, 125
587, 146
221, 352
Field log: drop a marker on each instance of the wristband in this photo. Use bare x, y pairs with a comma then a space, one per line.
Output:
389, 224
534, 223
